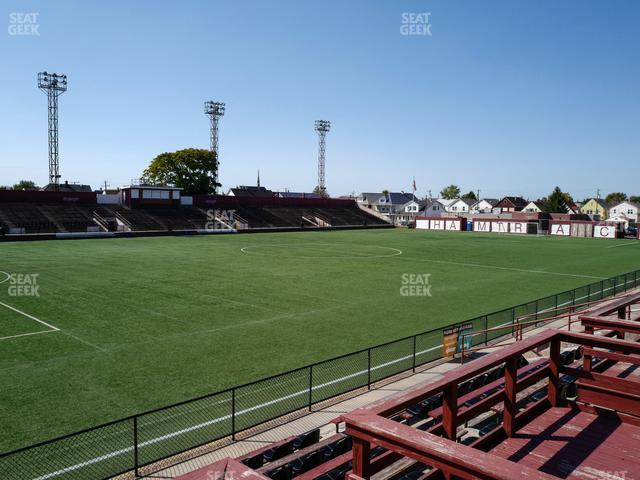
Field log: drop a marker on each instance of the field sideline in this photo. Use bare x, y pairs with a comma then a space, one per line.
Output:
134, 324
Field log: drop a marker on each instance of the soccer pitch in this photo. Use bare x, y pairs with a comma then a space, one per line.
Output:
125, 325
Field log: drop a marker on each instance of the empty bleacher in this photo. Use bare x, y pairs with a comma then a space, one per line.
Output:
184, 218
51, 217
25, 217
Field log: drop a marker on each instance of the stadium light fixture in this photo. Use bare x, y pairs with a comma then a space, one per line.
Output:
322, 127
214, 110
53, 85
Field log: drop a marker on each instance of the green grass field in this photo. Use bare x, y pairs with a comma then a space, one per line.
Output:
135, 324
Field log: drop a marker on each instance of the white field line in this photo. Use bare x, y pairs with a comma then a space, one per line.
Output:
51, 327
624, 244
496, 267
250, 249
223, 418
241, 412
27, 334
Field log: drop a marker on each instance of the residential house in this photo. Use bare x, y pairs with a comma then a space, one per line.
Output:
485, 205
431, 208
388, 204
250, 191
573, 208
446, 201
534, 207
460, 205
596, 208
624, 212
374, 201
511, 204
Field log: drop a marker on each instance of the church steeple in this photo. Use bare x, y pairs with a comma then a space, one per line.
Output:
258, 183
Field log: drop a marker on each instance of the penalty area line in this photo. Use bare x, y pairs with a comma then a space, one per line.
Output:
48, 325
31, 317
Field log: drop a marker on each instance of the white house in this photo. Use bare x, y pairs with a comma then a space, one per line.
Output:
460, 205
533, 207
484, 205
431, 208
624, 212
445, 202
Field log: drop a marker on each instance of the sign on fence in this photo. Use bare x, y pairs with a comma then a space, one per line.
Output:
452, 339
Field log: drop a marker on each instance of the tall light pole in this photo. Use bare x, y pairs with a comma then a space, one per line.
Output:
322, 127
54, 85
214, 110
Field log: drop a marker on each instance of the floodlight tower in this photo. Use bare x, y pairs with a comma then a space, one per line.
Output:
54, 85
322, 127
215, 110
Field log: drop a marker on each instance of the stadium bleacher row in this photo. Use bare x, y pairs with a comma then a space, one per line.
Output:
34, 218
308, 457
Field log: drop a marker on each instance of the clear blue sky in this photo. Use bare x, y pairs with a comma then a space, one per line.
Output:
509, 97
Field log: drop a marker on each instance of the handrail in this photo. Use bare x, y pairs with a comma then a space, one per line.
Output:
517, 325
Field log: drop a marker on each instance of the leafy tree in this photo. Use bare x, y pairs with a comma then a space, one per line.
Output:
25, 185
616, 197
634, 199
450, 192
319, 191
557, 201
470, 195
194, 170
5, 187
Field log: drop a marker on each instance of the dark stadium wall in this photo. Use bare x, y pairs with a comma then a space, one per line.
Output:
47, 197
224, 201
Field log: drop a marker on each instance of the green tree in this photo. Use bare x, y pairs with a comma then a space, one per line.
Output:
615, 197
557, 201
319, 191
450, 192
26, 185
470, 195
194, 170
634, 199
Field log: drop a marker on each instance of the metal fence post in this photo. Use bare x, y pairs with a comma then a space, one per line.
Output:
369, 369
486, 326
135, 447
233, 414
414, 353
310, 386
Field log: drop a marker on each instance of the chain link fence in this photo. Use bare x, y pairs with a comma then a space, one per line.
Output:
128, 444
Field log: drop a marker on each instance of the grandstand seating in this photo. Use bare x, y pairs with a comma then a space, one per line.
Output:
27, 216
52, 217
307, 457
